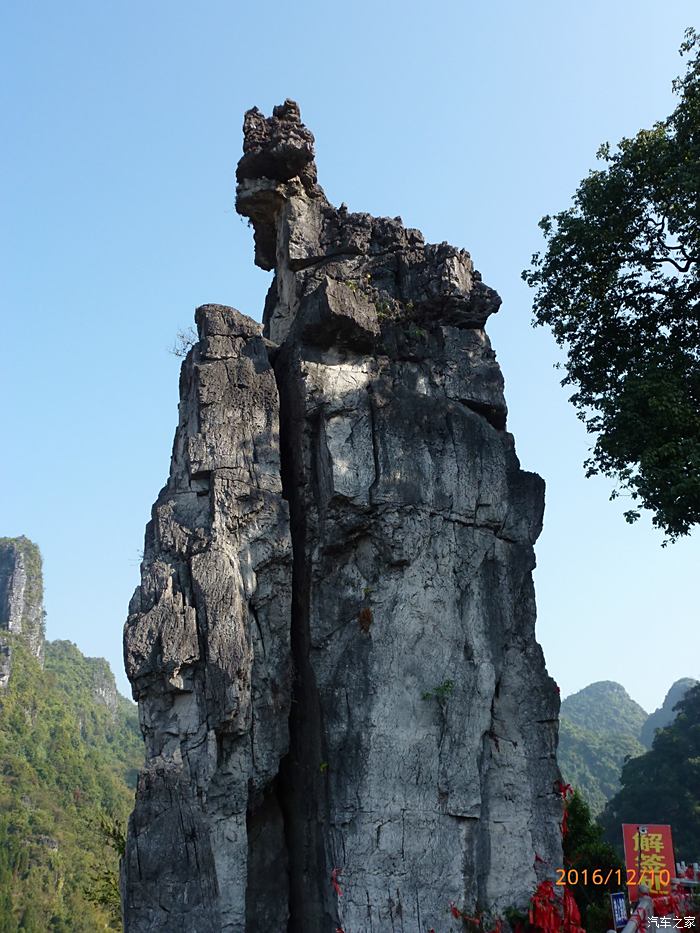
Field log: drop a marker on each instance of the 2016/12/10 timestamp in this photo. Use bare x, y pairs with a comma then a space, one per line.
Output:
655, 879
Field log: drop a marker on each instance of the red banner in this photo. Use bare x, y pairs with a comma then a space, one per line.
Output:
648, 858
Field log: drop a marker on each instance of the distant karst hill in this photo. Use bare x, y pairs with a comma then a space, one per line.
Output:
665, 714
70, 749
604, 706
601, 727
663, 784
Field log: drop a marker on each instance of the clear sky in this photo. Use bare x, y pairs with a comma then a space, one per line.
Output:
122, 129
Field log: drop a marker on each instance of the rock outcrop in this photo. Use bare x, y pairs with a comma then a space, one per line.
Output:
21, 601
104, 686
333, 644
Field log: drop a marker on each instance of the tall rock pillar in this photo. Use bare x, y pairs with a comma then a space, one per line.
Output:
21, 601
410, 742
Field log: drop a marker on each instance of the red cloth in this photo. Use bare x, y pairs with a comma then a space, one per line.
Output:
543, 909
572, 915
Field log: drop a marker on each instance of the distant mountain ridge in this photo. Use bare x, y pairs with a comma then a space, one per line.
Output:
604, 706
601, 727
665, 714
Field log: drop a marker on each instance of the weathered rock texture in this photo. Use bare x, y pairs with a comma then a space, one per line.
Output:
333, 644
104, 686
21, 601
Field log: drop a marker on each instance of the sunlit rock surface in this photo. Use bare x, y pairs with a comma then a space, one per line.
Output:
333, 644
21, 601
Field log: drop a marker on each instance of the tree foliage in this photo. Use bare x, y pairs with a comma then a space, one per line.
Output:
663, 785
67, 761
619, 284
586, 850
591, 760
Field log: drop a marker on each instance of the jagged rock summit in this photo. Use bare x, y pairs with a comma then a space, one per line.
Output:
333, 644
21, 601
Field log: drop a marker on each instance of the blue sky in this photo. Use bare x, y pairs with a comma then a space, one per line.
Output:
122, 129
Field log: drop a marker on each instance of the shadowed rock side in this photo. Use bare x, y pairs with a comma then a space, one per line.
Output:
422, 724
207, 649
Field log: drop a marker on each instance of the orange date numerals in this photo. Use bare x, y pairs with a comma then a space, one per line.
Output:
600, 877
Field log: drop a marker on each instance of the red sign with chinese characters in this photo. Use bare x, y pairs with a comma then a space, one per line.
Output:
648, 858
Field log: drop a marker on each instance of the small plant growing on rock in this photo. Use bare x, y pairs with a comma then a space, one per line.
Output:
383, 310
441, 693
416, 333
184, 341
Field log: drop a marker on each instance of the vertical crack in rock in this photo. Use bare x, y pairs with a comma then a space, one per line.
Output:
333, 643
302, 777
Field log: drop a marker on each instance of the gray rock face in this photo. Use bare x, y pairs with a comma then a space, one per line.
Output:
333, 644
21, 600
104, 686
5, 664
207, 649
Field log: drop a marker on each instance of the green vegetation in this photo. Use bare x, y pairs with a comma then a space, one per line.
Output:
619, 284
441, 693
69, 753
663, 785
605, 707
665, 715
586, 850
384, 310
599, 729
415, 332
592, 761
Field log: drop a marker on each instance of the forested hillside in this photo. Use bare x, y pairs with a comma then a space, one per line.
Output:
592, 761
665, 714
69, 753
663, 785
599, 729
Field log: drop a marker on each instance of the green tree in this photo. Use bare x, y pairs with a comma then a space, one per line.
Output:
67, 762
619, 284
663, 786
103, 886
591, 760
586, 851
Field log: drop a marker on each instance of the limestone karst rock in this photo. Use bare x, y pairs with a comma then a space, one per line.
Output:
333, 644
21, 600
